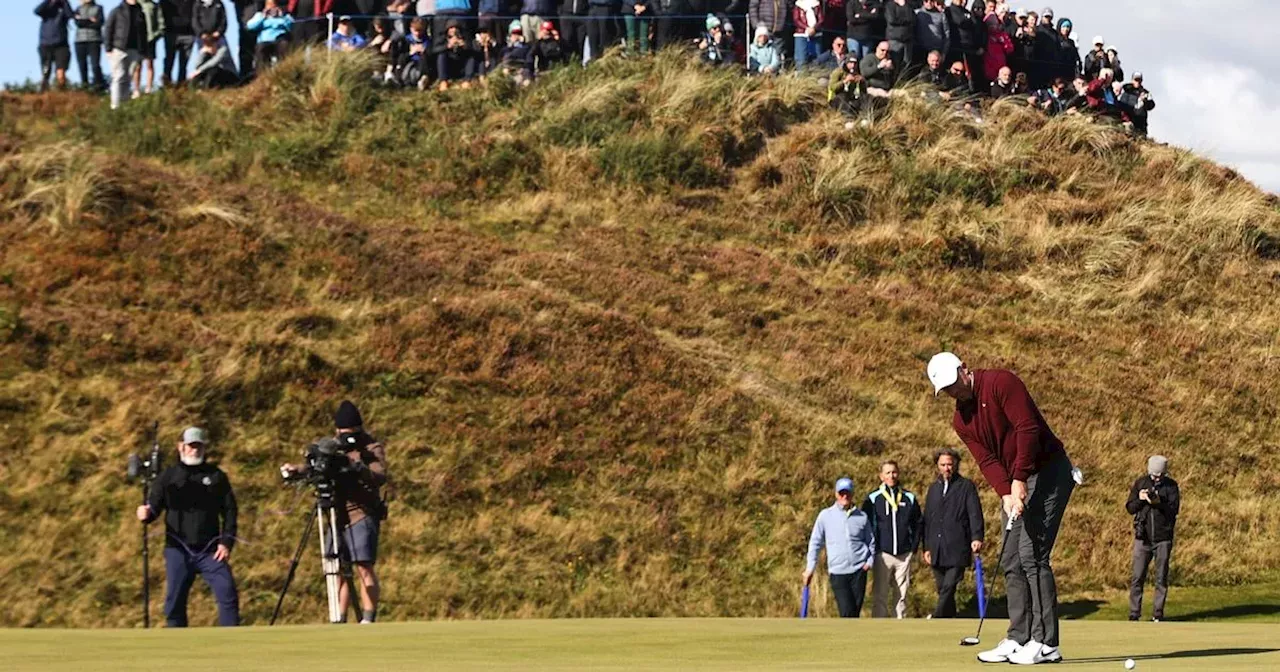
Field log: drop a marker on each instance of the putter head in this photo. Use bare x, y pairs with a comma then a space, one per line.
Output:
969, 641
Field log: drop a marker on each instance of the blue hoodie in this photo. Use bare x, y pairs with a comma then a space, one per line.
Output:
54, 15
272, 28
453, 6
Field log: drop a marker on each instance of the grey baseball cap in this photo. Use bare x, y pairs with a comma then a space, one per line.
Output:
195, 435
1158, 465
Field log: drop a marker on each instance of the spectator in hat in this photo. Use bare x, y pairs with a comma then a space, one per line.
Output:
933, 30
866, 26
546, 53
1137, 101
806, 16
900, 31
272, 25
455, 63
880, 70
1154, 501
847, 91
1096, 59
714, 48
55, 51
199, 510
1068, 55
763, 58
345, 37
846, 533
953, 529
637, 16
517, 57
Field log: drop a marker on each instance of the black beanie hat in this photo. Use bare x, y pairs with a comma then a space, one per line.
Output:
348, 416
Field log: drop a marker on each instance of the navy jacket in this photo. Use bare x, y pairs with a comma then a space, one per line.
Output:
897, 528
54, 15
952, 520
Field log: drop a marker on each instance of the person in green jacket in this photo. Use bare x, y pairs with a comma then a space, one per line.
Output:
155, 30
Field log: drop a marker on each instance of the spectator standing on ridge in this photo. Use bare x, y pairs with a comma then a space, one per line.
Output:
532, 13
1068, 54
847, 534
968, 43
154, 19
999, 48
1095, 60
1113, 62
1154, 502
179, 39
1137, 100
310, 20
900, 31
123, 37
89, 18
600, 34
272, 27
898, 525
835, 21
807, 17
865, 20
637, 16
213, 67
933, 31
345, 37
209, 19
763, 58
245, 10
55, 51
772, 15
573, 27
953, 529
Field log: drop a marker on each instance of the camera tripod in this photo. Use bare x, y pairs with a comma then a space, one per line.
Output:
335, 569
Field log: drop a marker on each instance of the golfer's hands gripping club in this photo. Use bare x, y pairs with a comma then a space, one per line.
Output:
1015, 500
808, 576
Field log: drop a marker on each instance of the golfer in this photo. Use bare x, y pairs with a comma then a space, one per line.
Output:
851, 544
1028, 467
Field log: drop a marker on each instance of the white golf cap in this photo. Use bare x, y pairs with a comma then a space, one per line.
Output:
1098, 39
944, 371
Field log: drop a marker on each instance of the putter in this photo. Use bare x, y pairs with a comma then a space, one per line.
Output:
982, 613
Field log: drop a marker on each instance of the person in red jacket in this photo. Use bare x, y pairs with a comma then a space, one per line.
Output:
807, 17
1026, 465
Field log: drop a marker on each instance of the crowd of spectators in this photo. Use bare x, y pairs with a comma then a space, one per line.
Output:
963, 52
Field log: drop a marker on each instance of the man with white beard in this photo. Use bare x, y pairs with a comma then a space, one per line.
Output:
199, 511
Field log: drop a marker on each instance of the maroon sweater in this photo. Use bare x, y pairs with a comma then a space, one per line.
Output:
1004, 430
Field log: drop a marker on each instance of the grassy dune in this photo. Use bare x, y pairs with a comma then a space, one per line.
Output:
632, 644
620, 331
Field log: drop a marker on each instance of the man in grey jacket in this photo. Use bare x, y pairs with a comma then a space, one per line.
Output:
933, 33
851, 544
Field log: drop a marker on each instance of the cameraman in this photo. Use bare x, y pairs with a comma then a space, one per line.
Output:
359, 504
200, 530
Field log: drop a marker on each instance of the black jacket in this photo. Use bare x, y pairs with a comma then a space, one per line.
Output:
865, 20
126, 26
900, 22
210, 19
54, 15
178, 15
199, 507
897, 529
952, 521
968, 34
1154, 522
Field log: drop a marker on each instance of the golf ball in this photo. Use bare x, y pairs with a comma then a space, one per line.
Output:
1129, 664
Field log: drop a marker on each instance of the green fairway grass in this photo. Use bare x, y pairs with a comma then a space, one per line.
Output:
648, 644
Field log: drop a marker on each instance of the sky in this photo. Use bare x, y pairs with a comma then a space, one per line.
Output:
1204, 62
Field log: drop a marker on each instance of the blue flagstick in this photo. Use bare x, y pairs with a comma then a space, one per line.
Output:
804, 602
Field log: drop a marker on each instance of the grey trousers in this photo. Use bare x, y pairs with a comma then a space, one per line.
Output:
1143, 552
1032, 591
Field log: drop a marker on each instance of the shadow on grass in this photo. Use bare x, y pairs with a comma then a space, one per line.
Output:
1194, 653
1235, 611
998, 608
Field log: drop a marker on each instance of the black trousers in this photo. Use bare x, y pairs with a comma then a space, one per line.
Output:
599, 29
263, 52
177, 48
946, 579
89, 58
849, 589
573, 32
